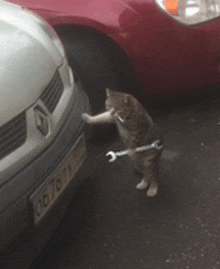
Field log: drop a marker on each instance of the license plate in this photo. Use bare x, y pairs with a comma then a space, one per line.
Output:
45, 196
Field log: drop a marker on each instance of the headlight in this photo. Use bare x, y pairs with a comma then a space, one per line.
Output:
191, 11
48, 30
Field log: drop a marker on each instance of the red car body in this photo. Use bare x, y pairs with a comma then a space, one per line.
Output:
168, 56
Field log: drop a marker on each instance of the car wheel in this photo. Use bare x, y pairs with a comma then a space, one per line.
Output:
98, 63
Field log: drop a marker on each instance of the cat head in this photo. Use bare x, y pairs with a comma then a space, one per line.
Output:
119, 103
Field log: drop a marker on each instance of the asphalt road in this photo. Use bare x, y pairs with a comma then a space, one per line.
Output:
112, 225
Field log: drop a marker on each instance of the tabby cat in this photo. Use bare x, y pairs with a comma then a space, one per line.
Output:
136, 128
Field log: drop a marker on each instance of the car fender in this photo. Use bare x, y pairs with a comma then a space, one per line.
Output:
157, 45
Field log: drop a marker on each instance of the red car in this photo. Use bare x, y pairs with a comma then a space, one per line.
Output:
162, 46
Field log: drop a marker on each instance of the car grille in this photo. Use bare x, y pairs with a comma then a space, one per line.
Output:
51, 95
13, 134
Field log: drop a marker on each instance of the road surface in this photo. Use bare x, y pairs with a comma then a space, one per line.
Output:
112, 225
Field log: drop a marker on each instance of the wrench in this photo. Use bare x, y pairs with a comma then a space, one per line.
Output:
113, 155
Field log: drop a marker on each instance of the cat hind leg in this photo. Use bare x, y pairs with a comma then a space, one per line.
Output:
153, 189
143, 184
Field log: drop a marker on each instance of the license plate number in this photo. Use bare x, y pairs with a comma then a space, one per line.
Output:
44, 198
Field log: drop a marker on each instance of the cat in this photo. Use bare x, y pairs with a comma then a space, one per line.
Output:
136, 128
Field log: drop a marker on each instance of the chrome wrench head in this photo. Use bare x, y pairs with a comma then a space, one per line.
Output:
157, 145
112, 155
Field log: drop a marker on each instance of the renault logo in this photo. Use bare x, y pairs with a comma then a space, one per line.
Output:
41, 120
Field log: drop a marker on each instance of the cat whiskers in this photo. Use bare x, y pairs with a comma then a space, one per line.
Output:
119, 117
121, 120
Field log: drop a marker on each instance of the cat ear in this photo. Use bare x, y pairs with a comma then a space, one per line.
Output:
109, 92
126, 98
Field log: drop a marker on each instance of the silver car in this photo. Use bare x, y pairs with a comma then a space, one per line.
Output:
42, 141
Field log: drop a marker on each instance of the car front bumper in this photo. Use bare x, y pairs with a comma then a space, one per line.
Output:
17, 217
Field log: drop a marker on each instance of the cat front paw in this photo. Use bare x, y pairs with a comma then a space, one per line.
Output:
87, 118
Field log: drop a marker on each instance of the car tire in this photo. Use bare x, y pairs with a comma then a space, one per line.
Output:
98, 63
